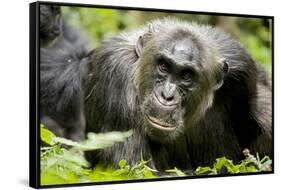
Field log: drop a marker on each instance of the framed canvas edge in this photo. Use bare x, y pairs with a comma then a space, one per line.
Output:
34, 133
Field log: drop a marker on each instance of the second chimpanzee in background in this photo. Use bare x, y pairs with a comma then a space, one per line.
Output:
50, 24
64, 59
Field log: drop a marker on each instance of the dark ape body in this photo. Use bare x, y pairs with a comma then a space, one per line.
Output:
64, 60
63, 70
190, 93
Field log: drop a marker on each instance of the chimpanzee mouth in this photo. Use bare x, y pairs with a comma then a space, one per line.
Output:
160, 124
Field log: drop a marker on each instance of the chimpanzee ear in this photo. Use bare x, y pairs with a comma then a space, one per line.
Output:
225, 67
144, 38
222, 74
139, 46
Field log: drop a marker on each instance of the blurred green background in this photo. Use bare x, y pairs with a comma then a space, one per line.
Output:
253, 33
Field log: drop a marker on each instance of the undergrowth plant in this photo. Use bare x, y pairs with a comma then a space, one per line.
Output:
60, 165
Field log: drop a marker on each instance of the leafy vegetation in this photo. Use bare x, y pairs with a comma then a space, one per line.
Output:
224, 165
67, 166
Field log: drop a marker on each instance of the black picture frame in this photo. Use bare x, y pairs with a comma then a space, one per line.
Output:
34, 82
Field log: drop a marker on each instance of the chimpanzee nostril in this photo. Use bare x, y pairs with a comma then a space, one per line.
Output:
167, 96
170, 98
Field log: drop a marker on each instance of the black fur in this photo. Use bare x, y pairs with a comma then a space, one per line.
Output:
228, 110
64, 67
63, 70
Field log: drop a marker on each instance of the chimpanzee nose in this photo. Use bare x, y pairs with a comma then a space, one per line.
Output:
166, 96
168, 92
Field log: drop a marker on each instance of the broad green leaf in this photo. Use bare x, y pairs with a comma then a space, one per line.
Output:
223, 162
95, 141
47, 136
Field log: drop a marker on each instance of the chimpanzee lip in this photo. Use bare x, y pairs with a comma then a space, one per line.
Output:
159, 124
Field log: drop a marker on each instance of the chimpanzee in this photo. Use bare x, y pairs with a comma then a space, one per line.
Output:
190, 93
64, 60
50, 24
53, 26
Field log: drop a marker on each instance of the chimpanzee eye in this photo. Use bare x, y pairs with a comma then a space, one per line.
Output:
55, 9
162, 66
187, 75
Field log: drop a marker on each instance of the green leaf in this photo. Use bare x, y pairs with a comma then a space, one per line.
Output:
118, 172
266, 158
47, 136
266, 166
251, 168
148, 174
223, 162
203, 170
122, 163
94, 141
179, 172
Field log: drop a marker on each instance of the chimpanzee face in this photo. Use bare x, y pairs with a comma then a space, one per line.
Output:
175, 82
50, 23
